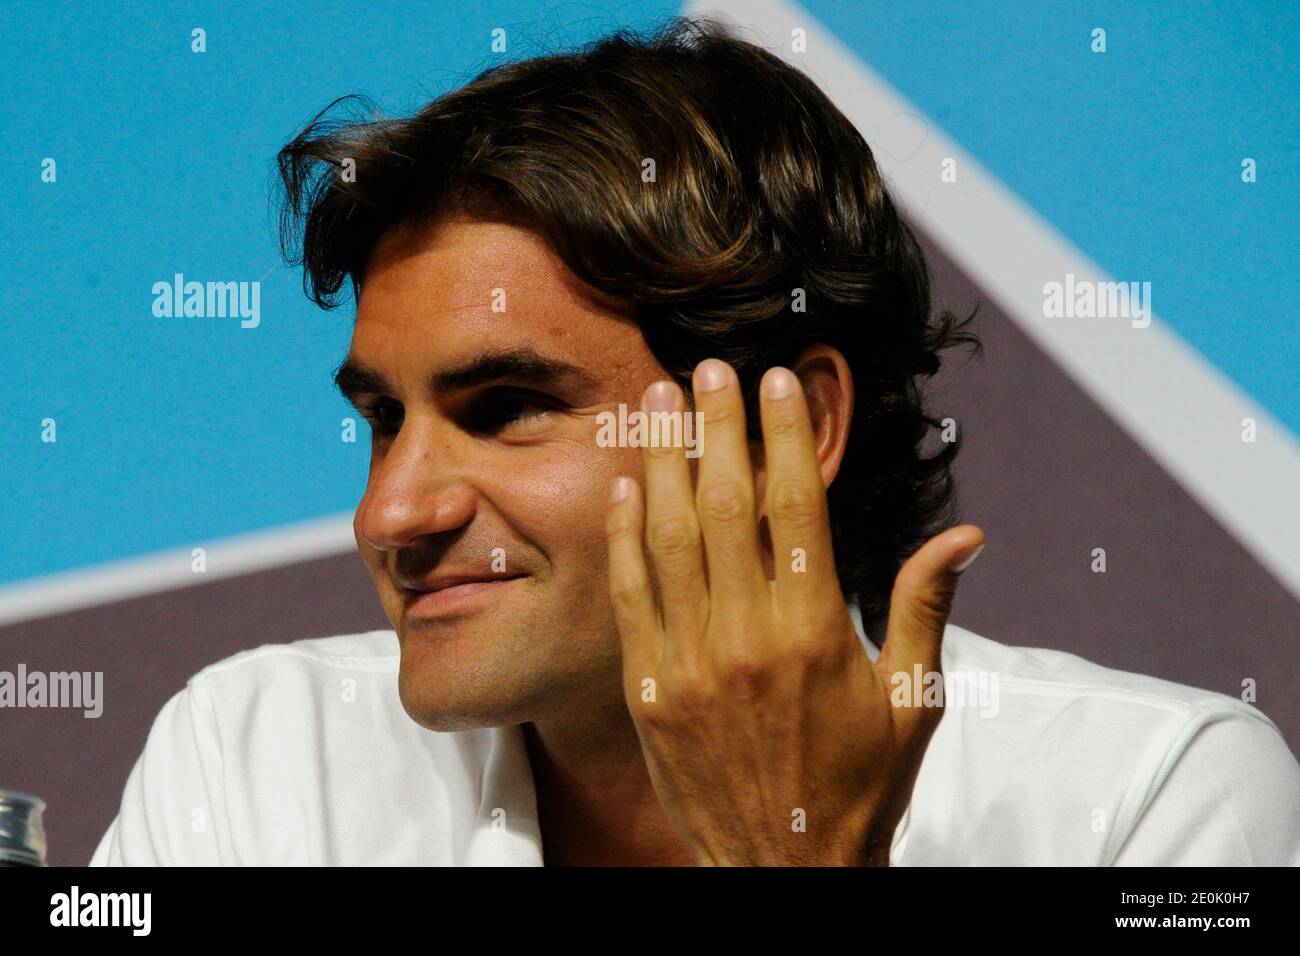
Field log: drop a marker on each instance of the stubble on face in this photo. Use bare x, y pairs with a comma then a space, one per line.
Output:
459, 487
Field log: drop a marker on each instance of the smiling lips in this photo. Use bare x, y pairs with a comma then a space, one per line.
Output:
445, 594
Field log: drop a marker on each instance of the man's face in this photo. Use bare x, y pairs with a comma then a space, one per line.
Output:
477, 471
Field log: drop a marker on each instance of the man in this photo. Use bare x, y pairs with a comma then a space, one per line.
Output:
733, 653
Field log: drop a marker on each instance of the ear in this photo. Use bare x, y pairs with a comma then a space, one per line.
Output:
828, 389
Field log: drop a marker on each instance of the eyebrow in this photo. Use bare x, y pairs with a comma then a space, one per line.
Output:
521, 365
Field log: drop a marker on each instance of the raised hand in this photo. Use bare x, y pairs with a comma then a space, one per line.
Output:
768, 732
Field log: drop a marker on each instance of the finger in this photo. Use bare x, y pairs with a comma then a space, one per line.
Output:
922, 599
807, 586
672, 525
629, 582
725, 495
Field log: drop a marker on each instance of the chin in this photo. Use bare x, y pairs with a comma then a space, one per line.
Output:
441, 697
448, 713
445, 723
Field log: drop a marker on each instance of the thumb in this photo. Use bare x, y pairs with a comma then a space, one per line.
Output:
922, 599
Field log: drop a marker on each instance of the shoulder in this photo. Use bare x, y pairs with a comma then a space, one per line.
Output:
367, 651
1039, 684
301, 688
276, 755
278, 696
1043, 756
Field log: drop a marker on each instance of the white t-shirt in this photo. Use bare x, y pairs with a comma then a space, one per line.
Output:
301, 754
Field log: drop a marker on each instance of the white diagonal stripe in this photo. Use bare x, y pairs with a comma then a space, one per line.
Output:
1180, 408
169, 570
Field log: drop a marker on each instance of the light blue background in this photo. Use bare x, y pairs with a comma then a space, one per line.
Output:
176, 431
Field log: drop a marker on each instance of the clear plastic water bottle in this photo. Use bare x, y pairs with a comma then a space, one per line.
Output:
22, 834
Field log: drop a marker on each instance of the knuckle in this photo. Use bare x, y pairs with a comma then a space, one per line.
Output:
672, 536
795, 503
690, 700
809, 650
724, 416
745, 676
619, 523
812, 642
725, 501
626, 590
660, 451
927, 606
653, 715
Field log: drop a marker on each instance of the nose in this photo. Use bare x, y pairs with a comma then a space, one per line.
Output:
417, 488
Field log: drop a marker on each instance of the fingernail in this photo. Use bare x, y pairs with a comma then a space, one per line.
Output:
779, 382
619, 489
660, 397
961, 564
711, 375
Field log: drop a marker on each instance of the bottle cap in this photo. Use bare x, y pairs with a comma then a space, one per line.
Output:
22, 835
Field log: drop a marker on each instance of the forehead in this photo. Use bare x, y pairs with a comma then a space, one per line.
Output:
449, 291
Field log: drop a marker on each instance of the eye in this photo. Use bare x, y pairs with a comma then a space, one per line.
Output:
384, 415
501, 408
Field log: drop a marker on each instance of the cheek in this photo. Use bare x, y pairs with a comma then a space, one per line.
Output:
559, 499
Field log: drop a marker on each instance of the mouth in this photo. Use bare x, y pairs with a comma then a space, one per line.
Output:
466, 597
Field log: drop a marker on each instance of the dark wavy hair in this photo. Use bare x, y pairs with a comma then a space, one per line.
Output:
761, 187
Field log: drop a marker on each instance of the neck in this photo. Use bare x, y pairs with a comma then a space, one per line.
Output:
596, 804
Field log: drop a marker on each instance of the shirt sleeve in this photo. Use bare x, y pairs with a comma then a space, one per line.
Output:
1231, 798
172, 811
